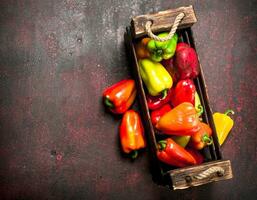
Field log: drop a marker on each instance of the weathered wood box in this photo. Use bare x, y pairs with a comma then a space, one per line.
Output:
176, 178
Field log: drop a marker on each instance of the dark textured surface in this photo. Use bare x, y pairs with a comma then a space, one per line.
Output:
56, 57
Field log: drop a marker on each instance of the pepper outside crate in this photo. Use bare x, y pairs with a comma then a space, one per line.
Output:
214, 168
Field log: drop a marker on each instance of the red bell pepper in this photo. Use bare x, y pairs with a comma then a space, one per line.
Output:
196, 154
186, 61
169, 66
201, 138
181, 120
156, 114
120, 96
171, 153
183, 92
155, 102
132, 133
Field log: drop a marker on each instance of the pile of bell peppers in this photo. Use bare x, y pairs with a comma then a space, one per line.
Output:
168, 70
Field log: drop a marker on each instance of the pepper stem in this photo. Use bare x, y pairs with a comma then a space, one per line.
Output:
201, 110
164, 93
108, 102
162, 144
134, 154
207, 140
229, 111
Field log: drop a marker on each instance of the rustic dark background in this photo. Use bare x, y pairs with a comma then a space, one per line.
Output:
56, 57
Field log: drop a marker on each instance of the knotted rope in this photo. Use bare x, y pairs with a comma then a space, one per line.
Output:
172, 30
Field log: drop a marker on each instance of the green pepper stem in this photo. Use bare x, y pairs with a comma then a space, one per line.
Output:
201, 110
134, 154
164, 93
229, 111
108, 102
162, 144
206, 139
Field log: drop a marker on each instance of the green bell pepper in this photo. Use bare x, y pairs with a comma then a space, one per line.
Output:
156, 78
181, 140
162, 50
198, 105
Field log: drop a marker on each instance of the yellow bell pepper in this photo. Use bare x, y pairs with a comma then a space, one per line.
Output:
223, 124
156, 78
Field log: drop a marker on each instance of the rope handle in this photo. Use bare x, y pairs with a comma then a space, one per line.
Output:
173, 29
205, 174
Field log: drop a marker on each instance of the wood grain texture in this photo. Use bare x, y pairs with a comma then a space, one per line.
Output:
56, 58
180, 177
163, 20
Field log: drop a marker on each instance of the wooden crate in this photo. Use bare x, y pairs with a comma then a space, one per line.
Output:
175, 178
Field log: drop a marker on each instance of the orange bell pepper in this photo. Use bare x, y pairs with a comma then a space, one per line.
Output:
120, 96
181, 120
132, 133
201, 138
141, 50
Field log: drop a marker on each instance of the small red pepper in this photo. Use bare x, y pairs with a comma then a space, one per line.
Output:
171, 153
156, 114
183, 92
196, 154
132, 133
120, 96
155, 102
201, 138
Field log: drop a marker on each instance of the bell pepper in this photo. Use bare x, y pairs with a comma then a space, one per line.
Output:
181, 140
156, 114
172, 154
198, 105
186, 61
223, 124
120, 96
162, 50
202, 138
155, 77
183, 92
132, 133
181, 120
155, 102
196, 154
141, 50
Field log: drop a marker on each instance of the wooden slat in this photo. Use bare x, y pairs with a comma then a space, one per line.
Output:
184, 177
163, 21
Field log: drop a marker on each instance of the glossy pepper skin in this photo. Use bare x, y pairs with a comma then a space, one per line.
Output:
186, 61
223, 124
196, 154
202, 138
181, 120
162, 50
155, 77
132, 133
156, 114
172, 154
141, 50
183, 92
155, 102
120, 96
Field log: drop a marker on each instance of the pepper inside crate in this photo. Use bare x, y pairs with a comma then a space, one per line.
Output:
183, 37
